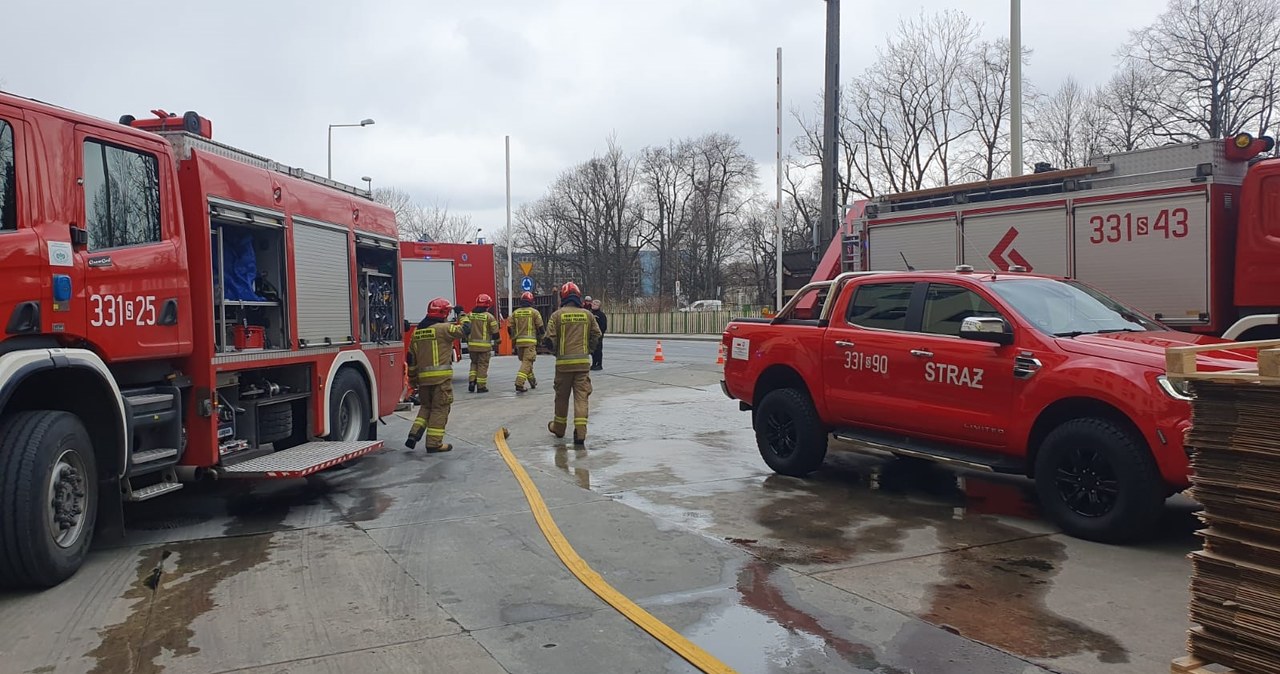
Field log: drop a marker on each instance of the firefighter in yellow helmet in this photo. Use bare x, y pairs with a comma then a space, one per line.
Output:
431, 370
572, 334
526, 329
482, 339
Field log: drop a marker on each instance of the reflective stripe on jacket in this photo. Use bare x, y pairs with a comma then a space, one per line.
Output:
431, 353
574, 334
482, 330
526, 324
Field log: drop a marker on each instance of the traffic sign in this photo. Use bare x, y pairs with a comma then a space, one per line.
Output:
526, 268
526, 284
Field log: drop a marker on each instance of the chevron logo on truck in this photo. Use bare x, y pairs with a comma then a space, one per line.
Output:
997, 254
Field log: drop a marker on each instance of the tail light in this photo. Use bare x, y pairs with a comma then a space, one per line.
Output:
1243, 146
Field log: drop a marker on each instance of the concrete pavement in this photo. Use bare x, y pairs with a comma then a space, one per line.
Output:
408, 562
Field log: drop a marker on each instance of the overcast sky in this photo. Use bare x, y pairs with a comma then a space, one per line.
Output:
446, 80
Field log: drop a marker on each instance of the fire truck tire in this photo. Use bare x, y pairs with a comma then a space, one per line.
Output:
48, 497
789, 434
1098, 482
275, 422
349, 407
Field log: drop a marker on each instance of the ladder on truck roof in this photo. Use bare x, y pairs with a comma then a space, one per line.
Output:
1202, 161
184, 142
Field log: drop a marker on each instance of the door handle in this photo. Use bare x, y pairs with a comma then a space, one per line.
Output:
921, 353
847, 345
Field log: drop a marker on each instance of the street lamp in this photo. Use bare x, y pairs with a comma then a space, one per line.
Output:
363, 122
368, 184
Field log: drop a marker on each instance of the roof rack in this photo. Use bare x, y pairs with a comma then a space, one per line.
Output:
184, 142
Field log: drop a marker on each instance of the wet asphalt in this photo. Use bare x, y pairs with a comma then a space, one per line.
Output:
404, 562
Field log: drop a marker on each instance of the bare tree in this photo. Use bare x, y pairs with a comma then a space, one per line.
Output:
1125, 104
987, 106
1216, 64
425, 223
1066, 127
723, 176
667, 193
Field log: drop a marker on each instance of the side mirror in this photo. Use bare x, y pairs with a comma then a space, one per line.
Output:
986, 329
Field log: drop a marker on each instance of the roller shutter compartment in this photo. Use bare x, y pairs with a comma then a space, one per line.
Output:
321, 262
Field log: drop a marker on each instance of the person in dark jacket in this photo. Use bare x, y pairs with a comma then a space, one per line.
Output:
597, 356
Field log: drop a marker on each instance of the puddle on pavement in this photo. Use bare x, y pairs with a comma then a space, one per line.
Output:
174, 585
857, 508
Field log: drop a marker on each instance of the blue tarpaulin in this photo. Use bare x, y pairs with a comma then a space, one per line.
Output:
242, 266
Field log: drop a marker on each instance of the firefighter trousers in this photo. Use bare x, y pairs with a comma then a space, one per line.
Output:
528, 354
479, 374
577, 384
435, 401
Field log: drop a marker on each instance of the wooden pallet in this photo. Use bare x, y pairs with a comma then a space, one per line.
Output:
1192, 665
1181, 362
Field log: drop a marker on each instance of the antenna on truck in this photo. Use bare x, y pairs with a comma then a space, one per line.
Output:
904, 261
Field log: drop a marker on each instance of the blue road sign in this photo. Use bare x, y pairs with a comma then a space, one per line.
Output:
526, 284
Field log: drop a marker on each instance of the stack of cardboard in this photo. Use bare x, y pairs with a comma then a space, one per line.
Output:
1235, 586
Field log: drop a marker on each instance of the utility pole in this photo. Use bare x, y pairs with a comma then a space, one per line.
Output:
777, 210
510, 242
830, 110
1015, 78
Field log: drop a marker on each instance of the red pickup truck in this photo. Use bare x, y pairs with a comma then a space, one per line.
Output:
1004, 372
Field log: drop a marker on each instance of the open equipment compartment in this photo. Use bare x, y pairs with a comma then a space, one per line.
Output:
259, 410
377, 264
249, 272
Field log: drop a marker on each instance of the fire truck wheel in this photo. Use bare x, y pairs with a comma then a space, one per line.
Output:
348, 407
1098, 482
275, 422
48, 497
789, 433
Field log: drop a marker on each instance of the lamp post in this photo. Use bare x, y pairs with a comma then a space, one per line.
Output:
363, 122
1015, 78
368, 184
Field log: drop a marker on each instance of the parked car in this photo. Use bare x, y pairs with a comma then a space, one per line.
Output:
705, 305
1009, 372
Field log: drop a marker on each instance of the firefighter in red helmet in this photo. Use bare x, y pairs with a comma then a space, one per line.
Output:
431, 370
526, 328
482, 339
572, 334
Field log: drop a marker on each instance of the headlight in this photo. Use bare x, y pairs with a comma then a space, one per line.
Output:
1178, 390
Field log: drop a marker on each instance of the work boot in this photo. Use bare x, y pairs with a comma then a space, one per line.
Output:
471, 387
551, 427
533, 383
441, 449
411, 442
482, 389
581, 442
521, 389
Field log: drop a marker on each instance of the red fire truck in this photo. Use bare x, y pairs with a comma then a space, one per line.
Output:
174, 309
1189, 233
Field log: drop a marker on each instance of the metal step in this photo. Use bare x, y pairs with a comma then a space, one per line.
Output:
300, 461
152, 455
150, 402
930, 451
151, 491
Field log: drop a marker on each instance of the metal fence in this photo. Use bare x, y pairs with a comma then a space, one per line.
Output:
677, 322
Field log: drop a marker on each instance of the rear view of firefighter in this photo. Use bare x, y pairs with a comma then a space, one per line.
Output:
572, 334
431, 370
526, 328
482, 339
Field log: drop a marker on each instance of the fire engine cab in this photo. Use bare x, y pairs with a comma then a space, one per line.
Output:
1189, 233
174, 309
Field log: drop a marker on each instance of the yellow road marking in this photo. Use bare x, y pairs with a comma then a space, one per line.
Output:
642, 618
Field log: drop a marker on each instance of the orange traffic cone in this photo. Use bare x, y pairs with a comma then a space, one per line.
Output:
720, 358
657, 353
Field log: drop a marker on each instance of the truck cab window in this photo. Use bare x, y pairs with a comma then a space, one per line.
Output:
946, 306
121, 196
882, 306
8, 180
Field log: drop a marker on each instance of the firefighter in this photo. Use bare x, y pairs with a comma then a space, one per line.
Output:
482, 339
572, 334
526, 329
431, 370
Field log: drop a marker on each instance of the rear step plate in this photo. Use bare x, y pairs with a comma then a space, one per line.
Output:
300, 461
929, 451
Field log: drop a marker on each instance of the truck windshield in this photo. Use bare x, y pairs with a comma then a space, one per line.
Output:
1069, 309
